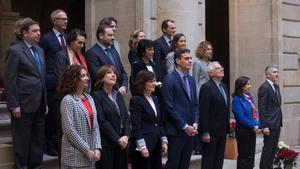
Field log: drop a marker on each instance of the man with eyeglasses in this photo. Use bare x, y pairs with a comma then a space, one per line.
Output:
214, 117
52, 42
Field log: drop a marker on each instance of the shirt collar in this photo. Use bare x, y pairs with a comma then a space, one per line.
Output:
102, 46
271, 83
181, 74
167, 39
56, 32
217, 82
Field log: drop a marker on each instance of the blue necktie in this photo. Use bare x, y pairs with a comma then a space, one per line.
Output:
36, 59
110, 56
223, 92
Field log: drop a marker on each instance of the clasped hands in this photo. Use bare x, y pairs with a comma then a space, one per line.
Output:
94, 155
191, 130
123, 142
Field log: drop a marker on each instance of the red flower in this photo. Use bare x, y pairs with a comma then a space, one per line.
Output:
232, 125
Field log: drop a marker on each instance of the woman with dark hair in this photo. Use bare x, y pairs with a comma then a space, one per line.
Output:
135, 37
148, 137
71, 55
81, 137
145, 51
247, 122
178, 42
113, 119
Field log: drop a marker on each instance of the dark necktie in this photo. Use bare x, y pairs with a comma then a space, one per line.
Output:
62, 40
223, 92
110, 56
36, 59
276, 87
186, 85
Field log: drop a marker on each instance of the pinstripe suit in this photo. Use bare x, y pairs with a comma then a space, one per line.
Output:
78, 136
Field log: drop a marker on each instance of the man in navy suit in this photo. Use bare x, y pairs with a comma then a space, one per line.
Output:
24, 80
52, 42
269, 106
214, 117
103, 54
182, 113
162, 45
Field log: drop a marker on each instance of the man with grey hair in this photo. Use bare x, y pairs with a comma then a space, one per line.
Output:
270, 114
53, 42
24, 80
214, 117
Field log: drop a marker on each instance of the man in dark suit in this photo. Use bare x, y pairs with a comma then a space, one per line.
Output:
214, 117
162, 45
26, 94
52, 42
182, 113
102, 54
270, 114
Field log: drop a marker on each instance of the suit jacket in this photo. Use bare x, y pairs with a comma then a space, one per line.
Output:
200, 73
62, 61
96, 57
78, 136
180, 109
161, 49
51, 46
110, 119
145, 124
243, 112
24, 84
269, 107
214, 115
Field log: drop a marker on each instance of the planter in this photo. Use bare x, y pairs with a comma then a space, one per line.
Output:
231, 151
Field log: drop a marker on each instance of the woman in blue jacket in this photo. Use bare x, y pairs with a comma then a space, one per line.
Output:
247, 122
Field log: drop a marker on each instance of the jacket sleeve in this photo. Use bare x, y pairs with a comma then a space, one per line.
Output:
262, 106
10, 79
204, 103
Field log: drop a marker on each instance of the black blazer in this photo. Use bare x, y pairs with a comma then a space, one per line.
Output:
214, 112
269, 107
109, 119
132, 55
161, 49
145, 125
51, 46
62, 61
96, 57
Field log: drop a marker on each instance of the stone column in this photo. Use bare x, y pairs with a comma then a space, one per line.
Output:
7, 22
189, 18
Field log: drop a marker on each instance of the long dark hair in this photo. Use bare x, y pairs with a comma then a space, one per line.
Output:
239, 84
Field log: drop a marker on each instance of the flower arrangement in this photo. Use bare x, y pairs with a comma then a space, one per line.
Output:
285, 156
232, 130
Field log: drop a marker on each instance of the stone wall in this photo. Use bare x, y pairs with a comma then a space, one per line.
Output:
263, 32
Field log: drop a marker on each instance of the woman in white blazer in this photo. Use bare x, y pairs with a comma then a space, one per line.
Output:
81, 137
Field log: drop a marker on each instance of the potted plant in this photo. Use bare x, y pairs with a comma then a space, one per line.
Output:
231, 151
285, 157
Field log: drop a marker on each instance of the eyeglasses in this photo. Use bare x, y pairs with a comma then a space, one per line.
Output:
63, 19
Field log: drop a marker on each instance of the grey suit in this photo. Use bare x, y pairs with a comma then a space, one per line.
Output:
200, 74
270, 114
78, 136
25, 88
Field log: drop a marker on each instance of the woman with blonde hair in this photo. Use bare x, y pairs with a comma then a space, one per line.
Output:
135, 37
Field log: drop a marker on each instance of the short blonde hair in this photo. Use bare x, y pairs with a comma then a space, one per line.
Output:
202, 47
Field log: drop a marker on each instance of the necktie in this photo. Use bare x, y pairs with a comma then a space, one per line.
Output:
276, 87
110, 56
223, 92
186, 85
62, 40
36, 59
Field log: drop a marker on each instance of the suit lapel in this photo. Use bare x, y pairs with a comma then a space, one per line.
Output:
83, 108
217, 89
28, 54
177, 76
273, 92
55, 39
110, 103
149, 107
